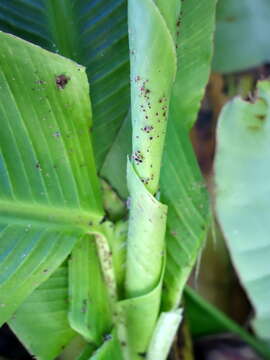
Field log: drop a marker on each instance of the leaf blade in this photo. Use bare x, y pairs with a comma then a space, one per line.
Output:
45, 313
97, 38
182, 186
242, 208
49, 191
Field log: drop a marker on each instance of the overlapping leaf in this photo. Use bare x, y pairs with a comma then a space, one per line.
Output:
182, 187
49, 192
206, 320
44, 316
90, 313
93, 33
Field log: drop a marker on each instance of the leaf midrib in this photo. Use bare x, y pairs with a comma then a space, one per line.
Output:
21, 212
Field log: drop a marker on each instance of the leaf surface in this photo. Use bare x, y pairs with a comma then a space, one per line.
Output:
182, 186
90, 313
41, 321
49, 191
93, 33
242, 196
241, 39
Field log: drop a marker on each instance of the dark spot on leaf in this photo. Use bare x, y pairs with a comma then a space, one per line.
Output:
61, 81
103, 219
57, 134
230, 19
41, 82
142, 354
107, 337
138, 157
84, 305
254, 127
261, 116
147, 128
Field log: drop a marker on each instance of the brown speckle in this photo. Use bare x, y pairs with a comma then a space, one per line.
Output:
261, 116
254, 127
138, 157
230, 19
61, 81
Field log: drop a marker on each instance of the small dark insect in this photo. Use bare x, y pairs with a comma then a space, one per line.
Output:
107, 337
61, 81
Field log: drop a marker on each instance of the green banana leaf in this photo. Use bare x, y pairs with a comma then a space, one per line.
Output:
94, 34
182, 185
138, 317
90, 312
204, 319
49, 191
242, 196
241, 39
109, 350
48, 304
114, 168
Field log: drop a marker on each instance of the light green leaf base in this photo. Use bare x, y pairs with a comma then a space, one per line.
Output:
164, 334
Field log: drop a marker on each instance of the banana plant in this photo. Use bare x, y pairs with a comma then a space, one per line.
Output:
76, 272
